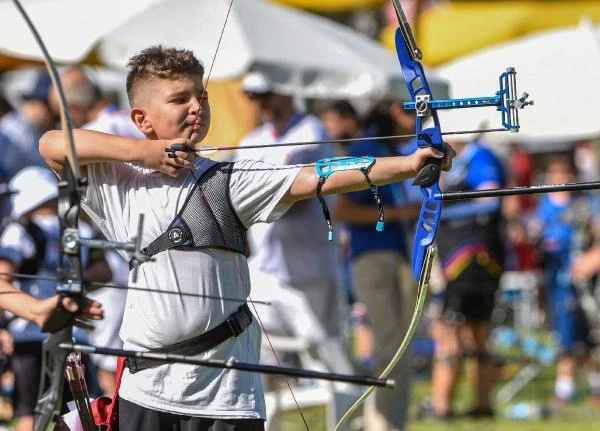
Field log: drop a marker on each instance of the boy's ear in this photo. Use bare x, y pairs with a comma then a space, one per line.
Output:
141, 120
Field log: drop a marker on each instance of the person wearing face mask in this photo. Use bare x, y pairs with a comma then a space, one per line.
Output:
29, 245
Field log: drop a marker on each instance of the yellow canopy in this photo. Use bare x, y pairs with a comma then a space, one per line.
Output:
332, 5
454, 29
232, 116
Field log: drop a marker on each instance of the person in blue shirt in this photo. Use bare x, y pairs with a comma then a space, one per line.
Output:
567, 224
471, 253
380, 272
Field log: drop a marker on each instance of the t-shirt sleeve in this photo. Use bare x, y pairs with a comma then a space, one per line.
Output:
106, 195
257, 188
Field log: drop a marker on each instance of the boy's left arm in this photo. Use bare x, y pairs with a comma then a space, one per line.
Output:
386, 170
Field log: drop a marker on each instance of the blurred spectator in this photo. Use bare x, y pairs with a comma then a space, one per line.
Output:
521, 254
522, 168
568, 226
89, 110
30, 245
23, 127
586, 160
380, 271
294, 251
471, 251
5, 108
388, 118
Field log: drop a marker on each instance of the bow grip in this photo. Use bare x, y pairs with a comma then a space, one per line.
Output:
432, 168
429, 173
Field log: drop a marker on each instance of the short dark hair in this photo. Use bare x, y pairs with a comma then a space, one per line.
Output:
341, 107
158, 62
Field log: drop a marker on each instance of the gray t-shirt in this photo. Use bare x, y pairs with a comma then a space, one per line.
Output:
117, 194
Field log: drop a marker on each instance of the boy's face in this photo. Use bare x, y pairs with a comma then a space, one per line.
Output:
173, 109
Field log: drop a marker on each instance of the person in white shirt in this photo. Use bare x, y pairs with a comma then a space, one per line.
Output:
196, 214
292, 258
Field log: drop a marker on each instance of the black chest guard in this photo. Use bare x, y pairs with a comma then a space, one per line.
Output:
207, 218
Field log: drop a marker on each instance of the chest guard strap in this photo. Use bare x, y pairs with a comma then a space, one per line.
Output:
207, 218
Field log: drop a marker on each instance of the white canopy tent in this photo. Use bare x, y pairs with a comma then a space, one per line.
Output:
305, 54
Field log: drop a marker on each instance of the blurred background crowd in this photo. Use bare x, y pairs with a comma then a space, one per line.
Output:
512, 323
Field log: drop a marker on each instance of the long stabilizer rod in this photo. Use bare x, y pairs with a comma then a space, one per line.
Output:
513, 191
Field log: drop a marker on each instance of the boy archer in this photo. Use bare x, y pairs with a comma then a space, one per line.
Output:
196, 215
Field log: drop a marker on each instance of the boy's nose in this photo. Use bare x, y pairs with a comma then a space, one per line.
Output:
196, 107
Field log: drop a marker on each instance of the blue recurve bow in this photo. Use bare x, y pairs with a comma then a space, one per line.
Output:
505, 101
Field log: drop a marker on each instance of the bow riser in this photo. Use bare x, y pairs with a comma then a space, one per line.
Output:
429, 175
420, 93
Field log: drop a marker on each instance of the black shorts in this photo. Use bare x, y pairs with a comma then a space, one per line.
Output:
463, 306
471, 296
133, 417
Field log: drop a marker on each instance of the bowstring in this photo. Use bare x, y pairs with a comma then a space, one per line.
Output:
340, 141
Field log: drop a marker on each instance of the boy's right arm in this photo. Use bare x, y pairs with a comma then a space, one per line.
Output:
93, 147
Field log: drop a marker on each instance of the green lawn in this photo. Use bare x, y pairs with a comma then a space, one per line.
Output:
579, 416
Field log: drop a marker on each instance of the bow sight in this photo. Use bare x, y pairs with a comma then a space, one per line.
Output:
505, 101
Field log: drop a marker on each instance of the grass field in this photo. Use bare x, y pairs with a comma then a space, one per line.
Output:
580, 416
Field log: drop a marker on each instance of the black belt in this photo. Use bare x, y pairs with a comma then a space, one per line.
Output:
235, 324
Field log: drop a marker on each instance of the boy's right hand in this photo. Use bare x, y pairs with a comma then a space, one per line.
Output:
155, 157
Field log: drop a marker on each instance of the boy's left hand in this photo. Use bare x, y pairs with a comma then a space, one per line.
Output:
420, 156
